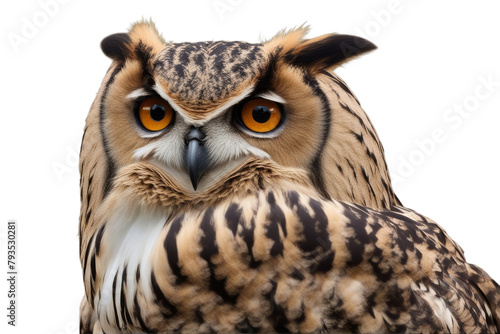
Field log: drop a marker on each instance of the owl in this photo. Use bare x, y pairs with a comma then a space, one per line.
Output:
238, 187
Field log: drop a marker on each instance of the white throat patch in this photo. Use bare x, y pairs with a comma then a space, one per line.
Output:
130, 237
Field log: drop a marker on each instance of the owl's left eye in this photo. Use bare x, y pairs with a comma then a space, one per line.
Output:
154, 114
260, 115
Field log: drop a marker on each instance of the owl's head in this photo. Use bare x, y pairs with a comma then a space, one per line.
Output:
201, 111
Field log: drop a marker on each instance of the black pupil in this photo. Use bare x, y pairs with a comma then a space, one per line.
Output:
261, 114
157, 112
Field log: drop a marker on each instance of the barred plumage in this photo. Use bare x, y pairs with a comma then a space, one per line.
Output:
295, 229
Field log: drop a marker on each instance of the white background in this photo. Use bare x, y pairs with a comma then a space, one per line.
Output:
431, 57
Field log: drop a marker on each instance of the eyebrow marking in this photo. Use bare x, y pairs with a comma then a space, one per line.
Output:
269, 95
137, 93
213, 114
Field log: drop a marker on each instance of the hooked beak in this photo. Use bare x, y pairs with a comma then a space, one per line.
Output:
196, 155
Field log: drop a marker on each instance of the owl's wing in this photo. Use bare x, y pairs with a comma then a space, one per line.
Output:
312, 265
488, 289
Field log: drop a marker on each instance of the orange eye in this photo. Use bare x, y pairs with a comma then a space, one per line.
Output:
154, 114
261, 115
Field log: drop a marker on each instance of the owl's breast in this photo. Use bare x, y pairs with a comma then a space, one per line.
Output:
241, 263
163, 253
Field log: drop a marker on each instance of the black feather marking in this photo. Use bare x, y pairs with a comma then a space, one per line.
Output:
123, 299
89, 212
370, 304
138, 316
244, 326
353, 169
260, 182
272, 232
356, 244
110, 164
489, 299
340, 169
267, 73
247, 234
297, 274
386, 187
92, 293
329, 51
209, 249
367, 179
327, 255
309, 224
82, 179
394, 298
144, 54
98, 239
89, 195
276, 218
199, 316
362, 123
116, 46
83, 138
115, 309
359, 136
233, 217
315, 244
404, 218
372, 156
316, 170
278, 313
302, 316
276, 214
160, 297
92, 268
383, 274
87, 252
180, 70
341, 84
292, 199
170, 246
137, 274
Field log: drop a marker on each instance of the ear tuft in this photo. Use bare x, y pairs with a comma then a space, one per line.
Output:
116, 46
328, 51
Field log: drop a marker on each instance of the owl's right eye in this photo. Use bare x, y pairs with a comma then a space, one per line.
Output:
154, 114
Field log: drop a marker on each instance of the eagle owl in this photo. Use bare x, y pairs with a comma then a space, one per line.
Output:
238, 187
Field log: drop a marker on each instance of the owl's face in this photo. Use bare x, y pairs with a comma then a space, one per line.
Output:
200, 110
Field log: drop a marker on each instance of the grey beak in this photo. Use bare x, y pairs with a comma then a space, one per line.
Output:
196, 155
